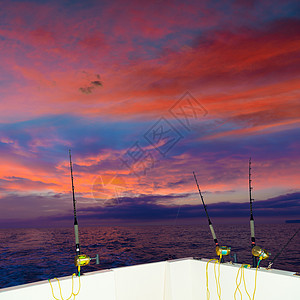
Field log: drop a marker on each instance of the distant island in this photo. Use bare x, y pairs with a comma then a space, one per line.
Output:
292, 221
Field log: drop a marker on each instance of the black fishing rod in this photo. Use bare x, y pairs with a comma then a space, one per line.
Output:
80, 259
253, 244
221, 250
272, 261
258, 253
77, 246
209, 221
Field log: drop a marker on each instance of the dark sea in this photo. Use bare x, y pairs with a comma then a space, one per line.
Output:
30, 255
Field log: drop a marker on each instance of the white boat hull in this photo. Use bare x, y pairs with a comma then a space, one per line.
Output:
180, 279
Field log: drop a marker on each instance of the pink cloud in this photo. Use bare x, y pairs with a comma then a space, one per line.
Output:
147, 56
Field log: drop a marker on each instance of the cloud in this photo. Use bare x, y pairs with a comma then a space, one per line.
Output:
38, 150
144, 208
236, 62
92, 84
86, 90
18, 183
240, 61
96, 83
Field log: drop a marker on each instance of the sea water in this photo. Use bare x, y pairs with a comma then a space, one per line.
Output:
29, 255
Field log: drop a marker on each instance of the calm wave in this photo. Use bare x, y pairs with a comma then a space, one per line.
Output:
29, 255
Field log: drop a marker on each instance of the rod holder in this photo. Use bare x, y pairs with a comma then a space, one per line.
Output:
234, 257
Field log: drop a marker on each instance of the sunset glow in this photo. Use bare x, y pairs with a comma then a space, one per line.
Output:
145, 93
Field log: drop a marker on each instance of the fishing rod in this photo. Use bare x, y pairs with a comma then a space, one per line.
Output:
253, 244
80, 259
209, 221
220, 250
258, 253
77, 246
272, 261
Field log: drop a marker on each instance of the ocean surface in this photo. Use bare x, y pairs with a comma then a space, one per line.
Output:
30, 255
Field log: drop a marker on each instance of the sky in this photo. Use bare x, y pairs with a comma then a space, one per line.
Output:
144, 93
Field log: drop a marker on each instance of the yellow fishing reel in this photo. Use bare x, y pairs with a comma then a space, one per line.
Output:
81, 260
260, 253
222, 250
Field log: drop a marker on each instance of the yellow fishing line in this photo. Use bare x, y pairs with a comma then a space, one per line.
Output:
245, 284
207, 289
256, 277
242, 276
218, 282
215, 274
238, 284
217, 277
60, 291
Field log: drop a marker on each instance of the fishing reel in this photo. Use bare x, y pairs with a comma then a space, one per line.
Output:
83, 260
260, 253
223, 250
